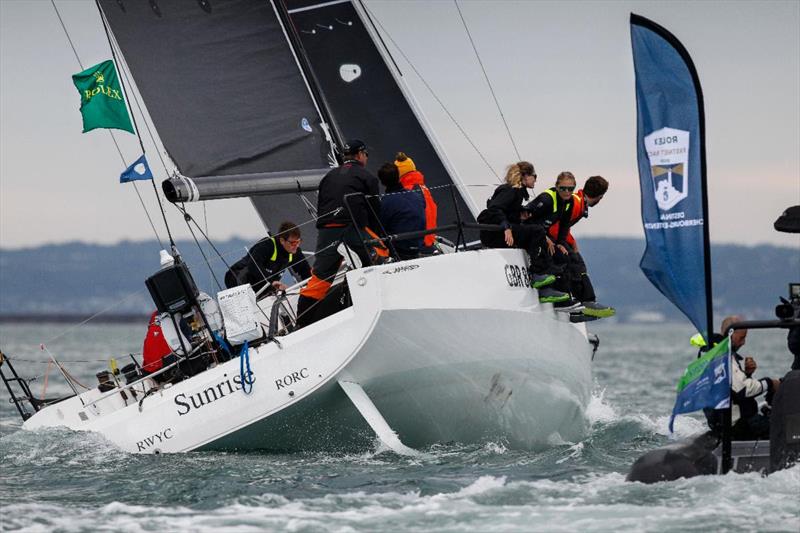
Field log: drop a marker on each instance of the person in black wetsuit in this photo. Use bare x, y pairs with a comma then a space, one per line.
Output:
504, 209
266, 261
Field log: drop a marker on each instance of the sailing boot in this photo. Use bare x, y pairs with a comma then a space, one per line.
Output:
598, 310
548, 295
544, 276
542, 280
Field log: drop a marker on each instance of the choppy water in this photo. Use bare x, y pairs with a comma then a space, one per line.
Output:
65, 481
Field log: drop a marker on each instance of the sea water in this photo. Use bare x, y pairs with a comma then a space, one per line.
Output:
58, 480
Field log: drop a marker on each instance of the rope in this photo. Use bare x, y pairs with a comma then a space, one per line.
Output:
135, 124
430, 89
109, 308
67, 375
39, 362
244, 362
488, 82
187, 217
67, 33
46, 376
111, 133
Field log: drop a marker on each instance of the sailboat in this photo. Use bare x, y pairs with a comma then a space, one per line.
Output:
252, 98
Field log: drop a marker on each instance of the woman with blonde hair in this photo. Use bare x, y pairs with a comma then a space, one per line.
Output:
504, 209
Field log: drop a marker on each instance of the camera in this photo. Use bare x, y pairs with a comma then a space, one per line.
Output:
789, 309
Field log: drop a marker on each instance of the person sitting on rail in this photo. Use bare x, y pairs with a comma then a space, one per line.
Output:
267, 260
576, 277
409, 178
402, 211
504, 208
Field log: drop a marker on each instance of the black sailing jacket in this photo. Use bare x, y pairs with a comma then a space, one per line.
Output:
349, 178
258, 266
504, 206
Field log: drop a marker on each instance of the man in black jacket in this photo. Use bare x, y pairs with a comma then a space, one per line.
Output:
335, 224
267, 260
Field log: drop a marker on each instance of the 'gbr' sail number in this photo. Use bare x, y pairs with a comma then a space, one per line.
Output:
517, 276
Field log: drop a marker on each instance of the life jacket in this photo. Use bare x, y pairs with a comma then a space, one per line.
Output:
580, 209
155, 346
275, 251
415, 177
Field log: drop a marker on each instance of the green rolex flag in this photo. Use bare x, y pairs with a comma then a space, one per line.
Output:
102, 103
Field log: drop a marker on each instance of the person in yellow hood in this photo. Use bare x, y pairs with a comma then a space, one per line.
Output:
410, 176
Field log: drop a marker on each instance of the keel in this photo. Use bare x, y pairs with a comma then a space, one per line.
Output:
374, 419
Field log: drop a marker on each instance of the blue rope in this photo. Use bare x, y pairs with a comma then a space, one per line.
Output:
244, 360
222, 342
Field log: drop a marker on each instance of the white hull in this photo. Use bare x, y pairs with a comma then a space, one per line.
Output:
446, 347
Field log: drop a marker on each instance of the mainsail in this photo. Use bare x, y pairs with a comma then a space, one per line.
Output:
227, 98
672, 169
249, 97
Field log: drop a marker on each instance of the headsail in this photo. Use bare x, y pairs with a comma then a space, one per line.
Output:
363, 90
227, 97
672, 171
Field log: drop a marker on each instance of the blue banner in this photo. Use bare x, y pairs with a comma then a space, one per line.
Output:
139, 170
705, 383
671, 153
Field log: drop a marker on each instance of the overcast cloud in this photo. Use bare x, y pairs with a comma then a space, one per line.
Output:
562, 72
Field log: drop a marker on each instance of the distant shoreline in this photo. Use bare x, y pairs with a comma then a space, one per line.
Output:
31, 318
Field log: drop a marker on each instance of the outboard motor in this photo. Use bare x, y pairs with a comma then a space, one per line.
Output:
784, 431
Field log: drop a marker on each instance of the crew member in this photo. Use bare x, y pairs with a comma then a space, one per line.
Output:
336, 225
402, 211
553, 206
579, 283
504, 208
748, 423
268, 259
411, 177
155, 346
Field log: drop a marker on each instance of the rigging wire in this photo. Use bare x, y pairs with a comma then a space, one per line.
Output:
488, 82
433, 93
113, 138
135, 125
188, 218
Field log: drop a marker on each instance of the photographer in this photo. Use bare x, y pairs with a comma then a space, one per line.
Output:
748, 422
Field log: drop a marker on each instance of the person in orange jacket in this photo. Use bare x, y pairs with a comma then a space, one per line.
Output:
409, 177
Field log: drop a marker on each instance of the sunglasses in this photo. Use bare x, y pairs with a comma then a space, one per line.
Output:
564, 188
293, 241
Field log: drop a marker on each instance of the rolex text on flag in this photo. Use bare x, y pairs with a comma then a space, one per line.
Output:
102, 103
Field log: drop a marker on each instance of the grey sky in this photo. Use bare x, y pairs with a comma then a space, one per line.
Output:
562, 72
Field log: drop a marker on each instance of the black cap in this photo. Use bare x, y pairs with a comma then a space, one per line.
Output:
353, 146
